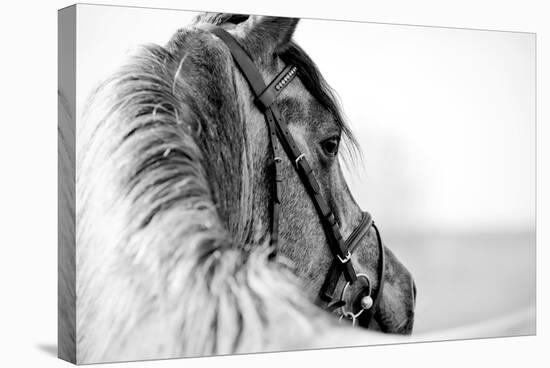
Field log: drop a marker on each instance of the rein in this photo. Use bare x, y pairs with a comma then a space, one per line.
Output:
281, 140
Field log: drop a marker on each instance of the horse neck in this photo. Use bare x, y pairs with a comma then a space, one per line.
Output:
233, 164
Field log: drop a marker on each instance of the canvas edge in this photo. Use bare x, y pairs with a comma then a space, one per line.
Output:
66, 286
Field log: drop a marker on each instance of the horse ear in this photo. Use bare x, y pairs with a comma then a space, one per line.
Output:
266, 36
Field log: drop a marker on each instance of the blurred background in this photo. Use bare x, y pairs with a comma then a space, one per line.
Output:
446, 122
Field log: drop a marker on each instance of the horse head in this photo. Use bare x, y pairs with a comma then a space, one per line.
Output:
316, 124
174, 199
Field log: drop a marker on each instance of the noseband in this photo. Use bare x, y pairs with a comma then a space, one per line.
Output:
280, 135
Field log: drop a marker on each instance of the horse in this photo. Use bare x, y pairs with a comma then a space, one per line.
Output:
174, 254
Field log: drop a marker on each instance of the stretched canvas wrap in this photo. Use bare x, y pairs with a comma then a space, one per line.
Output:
235, 183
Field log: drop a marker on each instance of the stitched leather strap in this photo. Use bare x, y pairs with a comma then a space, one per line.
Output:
331, 280
276, 189
241, 57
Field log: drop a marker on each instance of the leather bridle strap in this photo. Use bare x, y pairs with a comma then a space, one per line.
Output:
327, 289
265, 97
354, 239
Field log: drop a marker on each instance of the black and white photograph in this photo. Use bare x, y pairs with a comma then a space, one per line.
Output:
274, 184
228, 184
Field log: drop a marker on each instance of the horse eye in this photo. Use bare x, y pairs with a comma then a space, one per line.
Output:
330, 146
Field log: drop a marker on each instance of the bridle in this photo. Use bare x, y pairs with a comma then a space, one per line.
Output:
279, 135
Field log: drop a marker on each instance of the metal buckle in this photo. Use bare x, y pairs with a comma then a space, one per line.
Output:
345, 260
302, 156
352, 317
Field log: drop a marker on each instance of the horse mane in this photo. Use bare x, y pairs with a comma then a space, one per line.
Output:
66, 294
159, 270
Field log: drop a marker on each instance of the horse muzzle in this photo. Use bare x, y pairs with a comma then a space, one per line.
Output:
391, 309
395, 313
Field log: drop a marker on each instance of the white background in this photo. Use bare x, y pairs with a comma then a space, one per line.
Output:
29, 180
